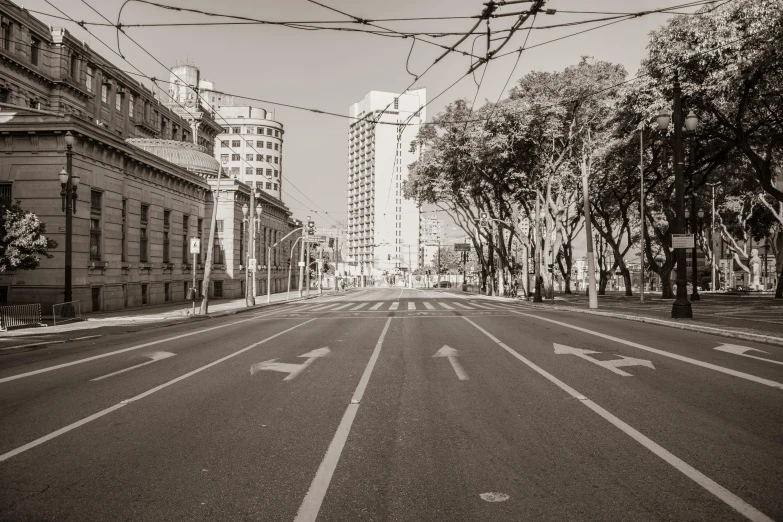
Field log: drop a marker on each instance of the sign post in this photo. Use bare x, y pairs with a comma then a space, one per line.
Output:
195, 249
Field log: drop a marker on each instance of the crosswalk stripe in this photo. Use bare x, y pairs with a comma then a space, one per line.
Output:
323, 307
342, 306
361, 305
464, 306
376, 306
447, 307
411, 305
481, 306
394, 306
428, 305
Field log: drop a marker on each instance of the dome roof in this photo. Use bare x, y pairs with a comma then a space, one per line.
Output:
187, 155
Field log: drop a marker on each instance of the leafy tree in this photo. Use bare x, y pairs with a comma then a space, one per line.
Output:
22, 239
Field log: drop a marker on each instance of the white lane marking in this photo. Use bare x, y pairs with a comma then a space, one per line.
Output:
447, 307
82, 422
680, 465
401, 291
376, 305
494, 496
394, 306
741, 350
611, 365
411, 305
477, 305
115, 352
682, 358
428, 305
464, 306
324, 307
451, 354
342, 306
311, 504
360, 306
154, 356
291, 369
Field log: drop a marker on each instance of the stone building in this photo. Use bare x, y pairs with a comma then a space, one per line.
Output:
147, 178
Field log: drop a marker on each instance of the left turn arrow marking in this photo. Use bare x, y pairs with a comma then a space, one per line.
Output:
291, 369
153, 356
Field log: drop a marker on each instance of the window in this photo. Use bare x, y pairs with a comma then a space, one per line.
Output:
259, 172
35, 50
226, 130
166, 218
163, 128
242, 245
269, 173
143, 294
166, 242
236, 130
3, 295
185, 287
5, 35
131, 105
260, 130
259, 144
185, 242
277, 133
200, 232
248, 171
269, 158
277, 146
217, 246
118, 101
124, 253
224, 158
396, 103
269, 186
5, 193
268, 144
105, 93
143, 239
218, 291
167, 292
275, 185
224, 144
235, 157
277, 160
259, 157
75, 67
234, 171
269, 132
95, 225
277, 173
249, 157
236, 143
96, 298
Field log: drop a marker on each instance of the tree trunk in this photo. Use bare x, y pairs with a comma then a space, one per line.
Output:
627, 278
602, 282
567, 280
779, 288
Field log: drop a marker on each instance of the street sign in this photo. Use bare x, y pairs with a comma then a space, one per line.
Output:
195, 245
252, 264
682, 241
301, 263
461, 247
316, 239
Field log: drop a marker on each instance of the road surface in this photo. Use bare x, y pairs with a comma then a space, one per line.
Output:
399, 405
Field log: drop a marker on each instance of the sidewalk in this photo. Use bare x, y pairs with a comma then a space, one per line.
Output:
120, 321
756, 317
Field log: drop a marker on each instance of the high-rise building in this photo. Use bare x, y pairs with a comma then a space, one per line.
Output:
383, 226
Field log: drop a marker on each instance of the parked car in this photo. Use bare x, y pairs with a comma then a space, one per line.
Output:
442, 284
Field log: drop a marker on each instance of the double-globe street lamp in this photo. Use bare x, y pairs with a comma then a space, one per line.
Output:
69, 182
681, 309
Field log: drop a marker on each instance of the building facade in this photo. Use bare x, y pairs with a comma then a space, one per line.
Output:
383, 226
147, 173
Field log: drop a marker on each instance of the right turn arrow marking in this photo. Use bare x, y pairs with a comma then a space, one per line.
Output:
737, 349
451, 354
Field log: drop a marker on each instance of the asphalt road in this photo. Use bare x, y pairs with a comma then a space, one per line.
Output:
400, 405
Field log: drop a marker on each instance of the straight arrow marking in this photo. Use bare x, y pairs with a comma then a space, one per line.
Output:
154, 356
612, 365
451, 354
737, 349
291, 369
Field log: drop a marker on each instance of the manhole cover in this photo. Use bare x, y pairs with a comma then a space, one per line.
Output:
494, 496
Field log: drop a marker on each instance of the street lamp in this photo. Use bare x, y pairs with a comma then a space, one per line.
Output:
681, 309
691, 124
69, 182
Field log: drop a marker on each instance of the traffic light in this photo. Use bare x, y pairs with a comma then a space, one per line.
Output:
483, 219
311, 228
331, 242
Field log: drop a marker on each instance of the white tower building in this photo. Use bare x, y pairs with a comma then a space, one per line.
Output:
383, 226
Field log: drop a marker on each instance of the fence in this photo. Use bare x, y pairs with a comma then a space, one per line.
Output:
20, 315
70, 311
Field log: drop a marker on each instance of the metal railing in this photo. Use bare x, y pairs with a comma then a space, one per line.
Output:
20, 315
64, 312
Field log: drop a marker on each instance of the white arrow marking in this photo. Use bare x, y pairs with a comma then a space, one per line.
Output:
737, 349
291, 369
154, 356
452, 354
612, 365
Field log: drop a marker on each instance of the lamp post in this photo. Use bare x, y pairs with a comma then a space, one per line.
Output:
642, 227
681, 309
713, 275
691, 123
69, 182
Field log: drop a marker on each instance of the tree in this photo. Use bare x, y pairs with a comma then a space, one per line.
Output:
22, 239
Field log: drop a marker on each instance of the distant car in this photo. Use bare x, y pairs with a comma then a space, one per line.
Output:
442, 284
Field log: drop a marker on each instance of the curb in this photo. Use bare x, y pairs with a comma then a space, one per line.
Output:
744, 336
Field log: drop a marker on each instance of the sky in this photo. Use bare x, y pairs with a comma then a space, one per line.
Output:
330, 70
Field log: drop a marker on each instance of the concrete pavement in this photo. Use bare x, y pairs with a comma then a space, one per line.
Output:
394, 404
